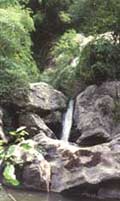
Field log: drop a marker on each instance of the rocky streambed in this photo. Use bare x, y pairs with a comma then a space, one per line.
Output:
87, 165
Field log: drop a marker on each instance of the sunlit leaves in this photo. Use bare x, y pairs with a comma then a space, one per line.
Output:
17, 66
9, 175
65, 51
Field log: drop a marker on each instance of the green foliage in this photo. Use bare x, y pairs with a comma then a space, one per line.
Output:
64, 17
12, 154
2, 152
51, 20
26, 146
96, 16
91, 60
58, 12
38, 18
8, 153
17, 67
55, 44
67, 45
64, 52
9, 175
19, 134
55, 17
100, 61
9, 168
6, 3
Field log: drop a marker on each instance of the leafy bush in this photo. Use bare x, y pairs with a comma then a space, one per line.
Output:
100, 61
9, 175
65, 51
96, 16
89, 60
17, 67
6, 3
8, 154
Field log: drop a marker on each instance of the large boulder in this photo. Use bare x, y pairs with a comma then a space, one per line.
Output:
66, 167
33, 171
41, 97
72, 166
97, 113
45, 101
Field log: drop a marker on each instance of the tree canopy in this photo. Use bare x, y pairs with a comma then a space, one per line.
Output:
38, 41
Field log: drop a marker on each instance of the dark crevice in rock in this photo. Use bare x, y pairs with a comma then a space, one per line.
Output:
56, 128
18, 173
10, 117
92, 141
74, 135
109, 189
44, 113
40, 112
84, 153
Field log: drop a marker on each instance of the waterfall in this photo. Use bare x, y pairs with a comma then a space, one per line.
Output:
67, 122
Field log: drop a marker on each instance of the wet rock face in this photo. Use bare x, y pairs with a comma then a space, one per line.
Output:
97, 113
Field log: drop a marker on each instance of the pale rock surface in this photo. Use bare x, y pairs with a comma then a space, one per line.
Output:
72, 166
41, 97
97, 113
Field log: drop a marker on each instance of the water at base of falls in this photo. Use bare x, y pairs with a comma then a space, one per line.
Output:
67, 122
20, 195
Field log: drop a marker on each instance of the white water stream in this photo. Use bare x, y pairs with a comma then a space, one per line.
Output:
67, 122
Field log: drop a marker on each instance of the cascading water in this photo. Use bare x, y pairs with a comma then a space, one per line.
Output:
67, 122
